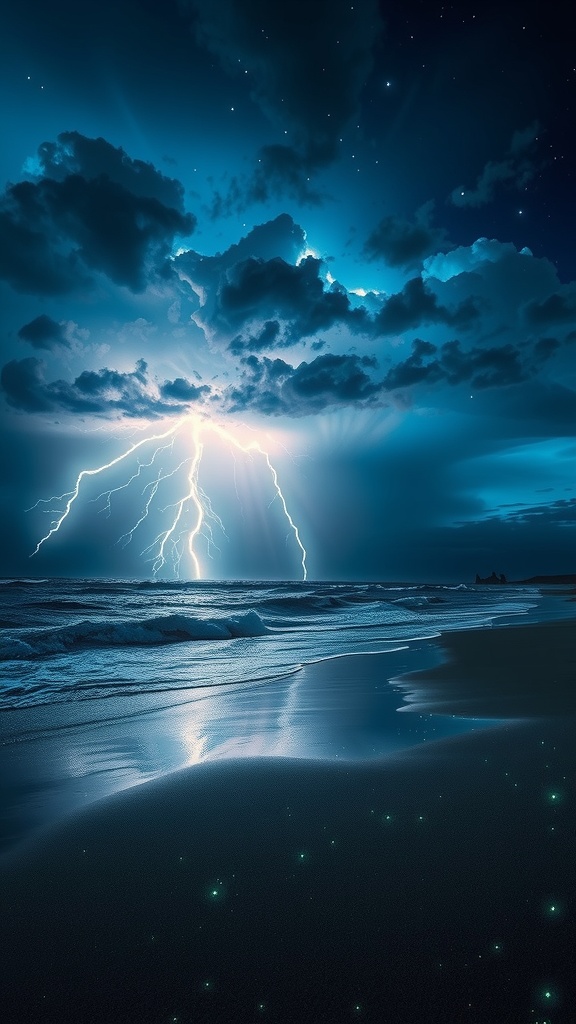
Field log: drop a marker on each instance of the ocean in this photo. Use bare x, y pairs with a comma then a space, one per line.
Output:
68, 641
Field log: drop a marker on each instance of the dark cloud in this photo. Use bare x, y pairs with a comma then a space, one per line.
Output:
74, 153
491, 367
280, 171
418, 367
559, 308
252, 285
557, 513
517, 169
33, 257
24, 386
311, 99
266, 339
274, 388
43, 332
55, 230
403, 243
182, 390
280, 237
96, 392
416, 305
263, 289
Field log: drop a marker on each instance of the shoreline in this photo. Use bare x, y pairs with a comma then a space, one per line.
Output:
253, 887
351, 708
54, 762
514, 670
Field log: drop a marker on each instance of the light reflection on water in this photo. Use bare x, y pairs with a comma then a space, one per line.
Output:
342, 709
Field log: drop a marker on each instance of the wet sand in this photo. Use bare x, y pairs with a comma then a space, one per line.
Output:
508, 671
58, 758
434, 884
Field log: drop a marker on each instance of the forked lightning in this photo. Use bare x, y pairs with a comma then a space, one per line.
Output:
168, 544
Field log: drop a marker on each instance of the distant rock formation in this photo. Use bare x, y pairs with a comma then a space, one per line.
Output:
563, 579
491, 579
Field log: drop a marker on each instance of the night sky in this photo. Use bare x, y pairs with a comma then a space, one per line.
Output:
345, 230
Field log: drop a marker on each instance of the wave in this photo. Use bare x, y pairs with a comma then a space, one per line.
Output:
20, 584
306, 604
417, 602
322, 601
61, 605
166, 629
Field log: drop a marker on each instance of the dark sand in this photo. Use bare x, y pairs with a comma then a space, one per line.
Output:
58, 758
433, 885
510, 671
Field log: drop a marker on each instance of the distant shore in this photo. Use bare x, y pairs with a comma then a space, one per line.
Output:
495, 579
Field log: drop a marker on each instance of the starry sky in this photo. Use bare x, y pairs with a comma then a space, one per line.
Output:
342, 230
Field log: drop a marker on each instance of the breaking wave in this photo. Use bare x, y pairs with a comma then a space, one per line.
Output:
166, 629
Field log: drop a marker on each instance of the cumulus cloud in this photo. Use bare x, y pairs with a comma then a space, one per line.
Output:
468, 258
506, 282
281, 238
516, 169
263, 289
416, 305
246, 290
254, 296
403, 243
480, 367
94, 209
45, 333
97, 392
275, 388
309, 109
73, 153
556, 309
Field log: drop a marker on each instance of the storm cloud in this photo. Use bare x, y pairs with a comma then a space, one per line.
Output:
309, 109
492, 366
266, 299
416, 305
104, 392
274, 387
43, 332
103, 216
403, 243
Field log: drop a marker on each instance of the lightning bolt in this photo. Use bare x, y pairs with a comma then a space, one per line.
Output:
170, 544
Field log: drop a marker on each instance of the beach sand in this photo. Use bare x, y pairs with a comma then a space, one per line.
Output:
509, 671
434, 884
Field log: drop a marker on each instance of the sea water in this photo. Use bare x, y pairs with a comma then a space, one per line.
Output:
64, 641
